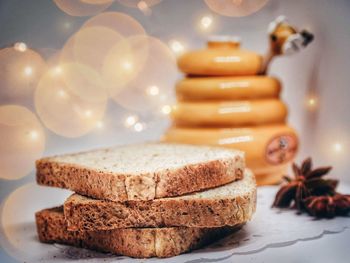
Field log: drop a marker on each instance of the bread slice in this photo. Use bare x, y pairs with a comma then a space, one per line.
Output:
143, 171
133, 242
230, 204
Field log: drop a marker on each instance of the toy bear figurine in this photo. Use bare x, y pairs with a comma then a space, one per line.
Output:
284, 39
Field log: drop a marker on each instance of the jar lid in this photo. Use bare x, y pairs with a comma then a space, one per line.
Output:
222, 57
224, 42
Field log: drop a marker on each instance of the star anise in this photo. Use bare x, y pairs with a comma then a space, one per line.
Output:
328, 206
306, 182
309, 192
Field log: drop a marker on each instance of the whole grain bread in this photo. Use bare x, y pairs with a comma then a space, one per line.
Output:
133, 242
143, 171
230, 204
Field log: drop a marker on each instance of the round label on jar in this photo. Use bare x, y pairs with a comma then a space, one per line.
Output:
281, 149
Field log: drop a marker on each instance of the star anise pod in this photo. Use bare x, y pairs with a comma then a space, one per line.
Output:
328, 206
306, 182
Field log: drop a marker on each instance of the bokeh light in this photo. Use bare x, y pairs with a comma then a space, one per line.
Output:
124, 62
20, 46
160, 71
144, 8
110, 45
177, 47
20, 71
122, 23
100, 125
137, 3
130, 120
97, 2
235, 7
23, 141
63, 111
56, 70
17, 225
152, 90
82, 81
90, 46
142, 5
28, 71
139, 126
83, 7
337, 147
206, 22
67, 25
166, 109
52, 58
312, 102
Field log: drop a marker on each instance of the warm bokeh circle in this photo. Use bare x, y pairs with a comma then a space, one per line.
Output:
23, 141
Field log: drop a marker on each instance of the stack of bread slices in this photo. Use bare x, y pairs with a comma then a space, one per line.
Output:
146, 200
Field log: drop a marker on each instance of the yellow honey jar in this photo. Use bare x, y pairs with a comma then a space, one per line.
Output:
224, 102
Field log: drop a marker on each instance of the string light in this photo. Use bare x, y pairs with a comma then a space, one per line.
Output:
152, 90
100, 125
166, 109
337, 147
235, 8
127, 65
20, 72
20, 46
34, 135
142, 5
130, 120
82, 7
89, 47
144, 8
28, 71
56, 71
156, 65
121, 23
206, 22
53, 96
67, 25
138, 127
61, 93
176, 46
88, 113
312, 102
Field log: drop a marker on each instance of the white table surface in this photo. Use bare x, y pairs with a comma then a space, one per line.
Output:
272, 235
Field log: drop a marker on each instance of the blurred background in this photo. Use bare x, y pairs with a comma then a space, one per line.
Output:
120, 87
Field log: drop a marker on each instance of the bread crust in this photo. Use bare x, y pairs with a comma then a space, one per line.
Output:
148, 186
83, 213
133, 242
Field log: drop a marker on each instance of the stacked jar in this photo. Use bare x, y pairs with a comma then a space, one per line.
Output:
223, 101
